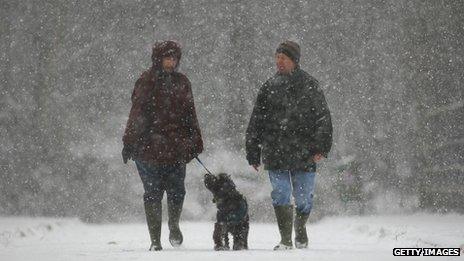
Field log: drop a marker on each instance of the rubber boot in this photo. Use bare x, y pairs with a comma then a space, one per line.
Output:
301, 237
175, 235
284, 215
153, 214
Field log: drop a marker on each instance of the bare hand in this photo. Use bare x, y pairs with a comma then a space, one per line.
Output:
255, 166
318, 157
127, 154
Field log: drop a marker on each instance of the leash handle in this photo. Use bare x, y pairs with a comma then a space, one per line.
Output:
203, 165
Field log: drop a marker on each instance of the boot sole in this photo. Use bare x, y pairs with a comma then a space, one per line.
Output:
175, 243
301, 245
282, 247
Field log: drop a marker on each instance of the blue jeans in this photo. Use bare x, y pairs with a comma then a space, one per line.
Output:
301, 183
159, 178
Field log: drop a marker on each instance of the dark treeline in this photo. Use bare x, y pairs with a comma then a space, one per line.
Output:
392, 72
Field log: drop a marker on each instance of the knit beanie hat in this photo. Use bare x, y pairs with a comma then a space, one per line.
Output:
290, 49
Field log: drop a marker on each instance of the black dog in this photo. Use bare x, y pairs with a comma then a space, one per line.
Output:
232, 215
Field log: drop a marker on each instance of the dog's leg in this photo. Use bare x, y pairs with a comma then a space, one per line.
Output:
217, 238
244, 232
226, 236
220, 237
240, 232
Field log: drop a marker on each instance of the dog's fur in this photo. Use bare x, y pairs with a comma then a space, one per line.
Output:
232, 214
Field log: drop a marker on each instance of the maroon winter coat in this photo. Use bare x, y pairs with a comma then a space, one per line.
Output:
162, 127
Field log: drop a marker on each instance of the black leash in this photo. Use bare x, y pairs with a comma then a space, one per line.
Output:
203, 165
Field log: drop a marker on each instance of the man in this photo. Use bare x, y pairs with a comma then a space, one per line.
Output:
291, 129
161, 136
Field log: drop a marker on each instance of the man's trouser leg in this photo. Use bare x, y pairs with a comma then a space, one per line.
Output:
281, 192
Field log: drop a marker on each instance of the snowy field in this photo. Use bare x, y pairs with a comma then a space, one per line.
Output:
337, 238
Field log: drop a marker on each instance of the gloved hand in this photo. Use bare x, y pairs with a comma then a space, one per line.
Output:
189, 154
127, 153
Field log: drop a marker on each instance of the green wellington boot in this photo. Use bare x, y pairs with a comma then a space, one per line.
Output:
301, 237
175, 235
153, 214
284, 215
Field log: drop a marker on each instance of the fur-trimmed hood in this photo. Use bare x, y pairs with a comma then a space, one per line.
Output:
165, 49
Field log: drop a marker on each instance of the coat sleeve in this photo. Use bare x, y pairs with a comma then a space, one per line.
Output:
255, 129
137, 122
323, 121
194, 128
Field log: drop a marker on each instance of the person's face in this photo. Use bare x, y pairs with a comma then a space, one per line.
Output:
169, 63
284, 64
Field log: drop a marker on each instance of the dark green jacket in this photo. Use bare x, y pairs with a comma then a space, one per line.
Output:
290, 123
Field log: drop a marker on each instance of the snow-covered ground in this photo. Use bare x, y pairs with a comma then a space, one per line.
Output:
336, 238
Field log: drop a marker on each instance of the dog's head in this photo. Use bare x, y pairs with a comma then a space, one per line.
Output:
221, 185
225, 183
